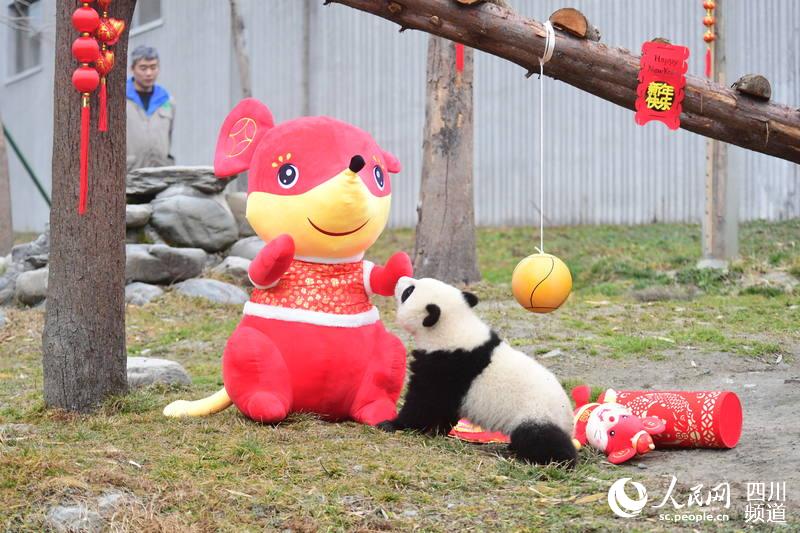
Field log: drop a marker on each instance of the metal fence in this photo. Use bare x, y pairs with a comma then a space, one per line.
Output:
600, 166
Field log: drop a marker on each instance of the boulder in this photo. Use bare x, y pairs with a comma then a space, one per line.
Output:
212, 290
31, 287
247, 247
138, 293
137, 215
38, 247
235, 267
158, 263
205, 223
8, 283
143, 371
147, 182
63, 519
237, 201
181, 189
34, 262
16, 430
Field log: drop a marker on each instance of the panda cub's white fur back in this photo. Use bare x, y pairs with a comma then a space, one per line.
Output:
515, 388
461, 368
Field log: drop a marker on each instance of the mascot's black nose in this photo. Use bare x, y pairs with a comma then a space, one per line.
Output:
357, 163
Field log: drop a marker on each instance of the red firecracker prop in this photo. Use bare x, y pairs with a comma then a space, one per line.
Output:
108, 33
706, 419
662, 77
709, 36
85, 79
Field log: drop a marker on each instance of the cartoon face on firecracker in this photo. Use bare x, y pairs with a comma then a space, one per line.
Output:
322, 181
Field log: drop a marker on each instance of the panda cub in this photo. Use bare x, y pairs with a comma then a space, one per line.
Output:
461, 368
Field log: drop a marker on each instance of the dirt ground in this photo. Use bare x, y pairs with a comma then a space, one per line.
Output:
768, 387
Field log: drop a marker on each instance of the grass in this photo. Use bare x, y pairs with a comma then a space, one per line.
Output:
227, 473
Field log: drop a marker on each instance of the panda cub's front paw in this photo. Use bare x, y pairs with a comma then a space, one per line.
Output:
388, 426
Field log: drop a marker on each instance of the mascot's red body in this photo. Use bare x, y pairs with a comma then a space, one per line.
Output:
310, 339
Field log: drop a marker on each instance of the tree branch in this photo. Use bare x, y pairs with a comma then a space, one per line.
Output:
611, 73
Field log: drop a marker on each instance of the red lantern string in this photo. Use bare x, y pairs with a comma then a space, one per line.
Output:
459, 57
85, 79
709, 36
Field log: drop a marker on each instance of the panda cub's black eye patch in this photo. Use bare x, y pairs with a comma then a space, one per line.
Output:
406, 293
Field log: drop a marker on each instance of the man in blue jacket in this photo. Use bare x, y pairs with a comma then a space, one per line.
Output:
151, 113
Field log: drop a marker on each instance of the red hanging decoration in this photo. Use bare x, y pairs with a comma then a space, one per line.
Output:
108, 33
709, 36
104, 64
85, 79
662, 77
459, 57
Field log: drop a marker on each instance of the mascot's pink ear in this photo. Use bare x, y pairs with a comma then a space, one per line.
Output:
392, 163
239, 136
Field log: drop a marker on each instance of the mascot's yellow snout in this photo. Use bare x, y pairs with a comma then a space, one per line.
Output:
336, 219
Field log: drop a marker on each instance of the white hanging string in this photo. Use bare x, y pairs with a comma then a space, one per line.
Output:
549, 46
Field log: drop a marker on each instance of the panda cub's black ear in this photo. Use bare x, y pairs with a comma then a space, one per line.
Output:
471, 299
434, 312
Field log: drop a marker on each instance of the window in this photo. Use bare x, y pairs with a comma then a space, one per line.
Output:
25, 22
146, 12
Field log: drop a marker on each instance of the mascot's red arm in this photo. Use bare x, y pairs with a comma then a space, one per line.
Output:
272, 262
383, 279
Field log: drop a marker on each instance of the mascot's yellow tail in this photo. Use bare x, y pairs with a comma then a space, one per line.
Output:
219, 401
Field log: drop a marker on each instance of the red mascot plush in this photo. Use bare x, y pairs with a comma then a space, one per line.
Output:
310, 339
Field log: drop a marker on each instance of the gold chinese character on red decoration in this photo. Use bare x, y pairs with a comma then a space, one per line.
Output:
660, 96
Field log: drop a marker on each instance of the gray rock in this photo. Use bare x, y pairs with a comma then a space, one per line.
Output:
33, 262
15, 430
212, 260
235, 267
8, 284
158, 263
39, 246
179, 189
138, 293
32, 286
151, 236
150, 181
779, 278
110, 502
247, 247
237, 201
143, 371
205, 223
2, 319
137, 215
73, 518
213, 290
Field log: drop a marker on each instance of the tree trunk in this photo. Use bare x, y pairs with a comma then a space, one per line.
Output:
6, 225
240, 49
445, 240
721, 217
243, 62
83, 345
709, 109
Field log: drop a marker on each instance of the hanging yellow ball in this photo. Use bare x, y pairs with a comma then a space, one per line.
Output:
541, 283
